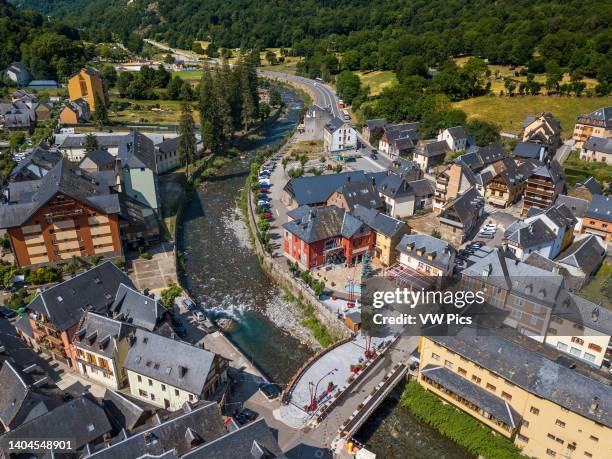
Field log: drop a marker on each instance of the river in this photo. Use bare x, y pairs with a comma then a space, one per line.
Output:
223, 273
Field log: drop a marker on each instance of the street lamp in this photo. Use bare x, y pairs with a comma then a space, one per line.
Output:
313, 393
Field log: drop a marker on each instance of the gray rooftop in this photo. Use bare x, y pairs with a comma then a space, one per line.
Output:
318, 224
122, 411
598, 144
379, 222
99, 157
534, 373
600, 208
592, 185
172, 362
136, 150
457, 132
361, 193
136, 308
437, 148
529, 234
600, 117
527, 150
441, 250
577, 206
584, 312
100, 334
585, 254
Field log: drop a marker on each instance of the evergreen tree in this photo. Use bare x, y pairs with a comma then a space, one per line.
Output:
100, 116
91, 143
186, 147
222, 95
211, 126
248, 90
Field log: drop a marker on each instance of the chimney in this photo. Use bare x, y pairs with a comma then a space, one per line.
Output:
594, 405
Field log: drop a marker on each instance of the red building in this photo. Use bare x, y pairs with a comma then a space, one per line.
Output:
326, 235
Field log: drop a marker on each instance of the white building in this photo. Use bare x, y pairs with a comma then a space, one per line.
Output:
339, 135
167, 373
455, 137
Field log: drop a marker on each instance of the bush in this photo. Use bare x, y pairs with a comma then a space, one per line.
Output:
95, 259
170, 294
306, 277
44, 275
457, 425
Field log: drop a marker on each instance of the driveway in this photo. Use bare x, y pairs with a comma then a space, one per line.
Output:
157, 273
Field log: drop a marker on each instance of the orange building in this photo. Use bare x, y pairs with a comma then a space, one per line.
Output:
86, 85
67, 213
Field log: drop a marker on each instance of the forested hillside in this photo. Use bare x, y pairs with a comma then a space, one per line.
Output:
374, 35
49, 48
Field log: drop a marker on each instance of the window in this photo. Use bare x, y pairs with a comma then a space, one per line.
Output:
163, 386
448, 364
550, 452
152, 396
571, 446
562, 346
594, 438
577, 340
551, 436
589, 357
575, 351
191, 397
435, 356
523, 438
476, 379
559, 423
462, 371
587, 454
491, 387
142, 393
534, 410
139, 378
525, 423
176, 392
150, 382
506, 396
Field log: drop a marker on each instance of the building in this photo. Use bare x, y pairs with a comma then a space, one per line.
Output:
506, 184
315, 120
587, 189
73, 146
393, 132
18, 73
460, 217
373, 130
43, 112
137, 309
530, 150
431, 154
597, 149
543, 186
98, 161
17, 116
101, 346
456, 178
88, 85
598, 218
75, 112
542, 129
582, 329
327, 235
66, 213
422, 255
168, 373
81, 420
544, 407
577, 206
43, 84
597, 123
138, 166
352, 193
388, 232
455, 137
55, 314
35, 164
167, 157
339, 135
314, 190
546, 232
398, 195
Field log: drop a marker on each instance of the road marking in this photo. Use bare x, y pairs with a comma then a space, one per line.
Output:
277, 214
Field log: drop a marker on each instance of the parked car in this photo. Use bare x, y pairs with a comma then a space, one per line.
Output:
245, 416
7, 313
265, 182
264, 190
373, 155
267, 215
190, 305
199, 316
350, 159
271, 391
487, 235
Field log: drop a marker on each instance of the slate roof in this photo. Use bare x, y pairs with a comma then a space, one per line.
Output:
600, 117
122, 411
527, 150
254, 440
377, 123
362, 193
457, 132
442, 249
465, 206
529, 234
104, 141
477, 158
584, 312
62, 178
172, 362
473, 393
323, 223
93, 290
82, 420
136, 150
432, 149
600, 208
100, 334
399, 131
36, 163
592, 185
534, 373
379, 222
551, 171
586, 254
315, 189
334, 124
136, 308
577, 206
202, 423
394, 186
168, 145
99, 157
598, 144
422, 187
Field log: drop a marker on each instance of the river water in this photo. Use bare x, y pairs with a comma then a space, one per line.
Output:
223, 273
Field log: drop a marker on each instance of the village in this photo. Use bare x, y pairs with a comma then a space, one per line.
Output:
99, 342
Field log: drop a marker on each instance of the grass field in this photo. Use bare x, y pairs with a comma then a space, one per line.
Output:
578, 170
193, 75
599, 290
377, 80
509, 112
145, 111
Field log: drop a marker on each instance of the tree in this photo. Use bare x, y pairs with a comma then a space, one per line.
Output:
410, 65
510, 86
100, 116
484, 133
436, 233
271, 58
169, 59
275, 98
109, 74
174, 87
347, 85
123, 82
16, 140
91, 142
209, 113
186, 147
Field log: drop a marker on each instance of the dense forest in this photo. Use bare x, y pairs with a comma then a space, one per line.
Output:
49, 48
573, 33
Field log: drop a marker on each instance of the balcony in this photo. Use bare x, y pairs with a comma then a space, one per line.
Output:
106, 371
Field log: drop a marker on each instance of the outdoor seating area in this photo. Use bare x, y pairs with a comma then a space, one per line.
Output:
406, 277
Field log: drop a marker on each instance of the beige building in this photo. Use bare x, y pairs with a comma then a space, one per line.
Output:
545, 408
167, 373
542, 129
597, 149
101, 346
597, 123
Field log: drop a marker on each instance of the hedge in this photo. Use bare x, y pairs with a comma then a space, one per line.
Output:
457, 425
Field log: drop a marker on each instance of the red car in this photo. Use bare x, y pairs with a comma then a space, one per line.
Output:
268, 215
264, 190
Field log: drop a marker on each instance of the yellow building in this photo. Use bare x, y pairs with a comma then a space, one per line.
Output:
86, 85
545, 408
